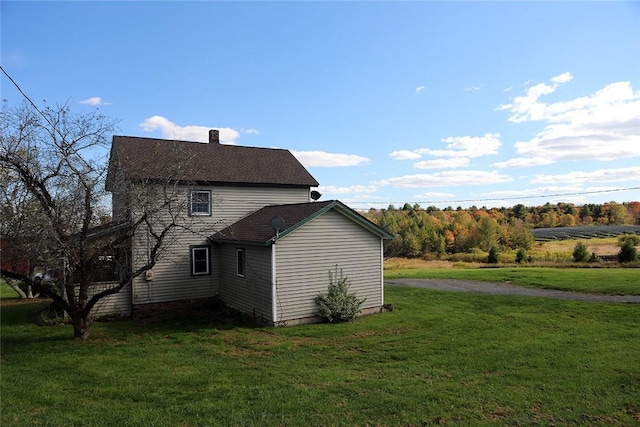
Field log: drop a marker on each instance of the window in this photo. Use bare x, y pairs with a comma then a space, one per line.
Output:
200, 202
240, 262
200, 260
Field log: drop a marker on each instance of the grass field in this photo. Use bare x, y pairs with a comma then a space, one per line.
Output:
438, 358
607, 281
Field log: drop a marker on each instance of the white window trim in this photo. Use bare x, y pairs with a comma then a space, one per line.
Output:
207, 250
191, 212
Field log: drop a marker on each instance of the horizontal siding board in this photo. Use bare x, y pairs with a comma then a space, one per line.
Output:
250, 294
115, 304
172, 279
305, 257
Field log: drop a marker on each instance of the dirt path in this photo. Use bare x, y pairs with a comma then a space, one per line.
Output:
508, 289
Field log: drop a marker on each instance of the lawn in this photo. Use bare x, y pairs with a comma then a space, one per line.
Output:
6, 292
438, 358
607, 281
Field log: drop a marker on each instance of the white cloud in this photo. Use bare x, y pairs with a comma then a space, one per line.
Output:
251, 131
562, 78
532, 192
404, 155
473, 88
433, 195
94, 100
521, 162
324, 159
602, 126
526, 108
450, 163
599, 176
187, 133
447, 178
466, 146
420, 89
458, 147
575, 193
330, 189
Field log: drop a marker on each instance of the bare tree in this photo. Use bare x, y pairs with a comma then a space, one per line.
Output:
24, 232
58, 160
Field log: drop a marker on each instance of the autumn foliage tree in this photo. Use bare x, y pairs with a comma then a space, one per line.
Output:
435, 232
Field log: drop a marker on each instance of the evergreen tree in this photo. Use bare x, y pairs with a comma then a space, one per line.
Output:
581, 253
493, 255
628, 252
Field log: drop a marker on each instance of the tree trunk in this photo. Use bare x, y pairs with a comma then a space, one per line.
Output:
16, 288
81, 327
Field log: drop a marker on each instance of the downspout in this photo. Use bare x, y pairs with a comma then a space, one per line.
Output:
381, 271
274, 291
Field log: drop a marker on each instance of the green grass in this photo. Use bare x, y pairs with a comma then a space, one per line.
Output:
438, 358
607, 281
6, 292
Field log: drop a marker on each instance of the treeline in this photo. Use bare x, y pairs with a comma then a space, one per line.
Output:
420, 231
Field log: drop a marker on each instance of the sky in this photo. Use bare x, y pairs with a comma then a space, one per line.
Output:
435, 103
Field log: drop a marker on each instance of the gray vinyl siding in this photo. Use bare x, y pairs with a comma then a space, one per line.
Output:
305, 257
172, 279
231, 204
250, 294
117, 304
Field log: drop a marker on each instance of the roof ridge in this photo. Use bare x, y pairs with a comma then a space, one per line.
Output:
298, 204
199, 142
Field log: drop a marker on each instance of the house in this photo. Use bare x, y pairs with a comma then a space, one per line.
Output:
249, 233
276, 260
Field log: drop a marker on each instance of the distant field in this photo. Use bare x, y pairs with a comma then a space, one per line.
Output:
605, 281
599, 246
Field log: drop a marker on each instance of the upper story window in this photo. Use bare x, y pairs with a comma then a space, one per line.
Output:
201, 202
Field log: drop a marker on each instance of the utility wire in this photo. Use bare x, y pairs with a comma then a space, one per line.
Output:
35, 107
502, 198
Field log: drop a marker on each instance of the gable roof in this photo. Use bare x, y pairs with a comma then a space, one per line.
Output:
256, 227
205, 163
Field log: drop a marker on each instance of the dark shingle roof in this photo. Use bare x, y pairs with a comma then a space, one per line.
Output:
256, 228
160, 159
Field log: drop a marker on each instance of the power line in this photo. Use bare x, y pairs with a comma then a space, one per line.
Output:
35, 107
502, 198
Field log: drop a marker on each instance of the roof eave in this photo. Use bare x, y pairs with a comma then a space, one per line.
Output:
346, 211
242, 242
362, 221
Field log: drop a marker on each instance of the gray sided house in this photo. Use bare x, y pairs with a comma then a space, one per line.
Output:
224, 199
276, 260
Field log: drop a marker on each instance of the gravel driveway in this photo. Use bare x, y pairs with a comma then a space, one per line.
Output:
508, 289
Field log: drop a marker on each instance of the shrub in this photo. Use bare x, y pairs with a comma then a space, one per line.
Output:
628, 252
493, 255
338, 305
468, 257
521, 255
581, 253
633, 238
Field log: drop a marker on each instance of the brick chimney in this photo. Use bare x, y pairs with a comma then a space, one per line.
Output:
214, 136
